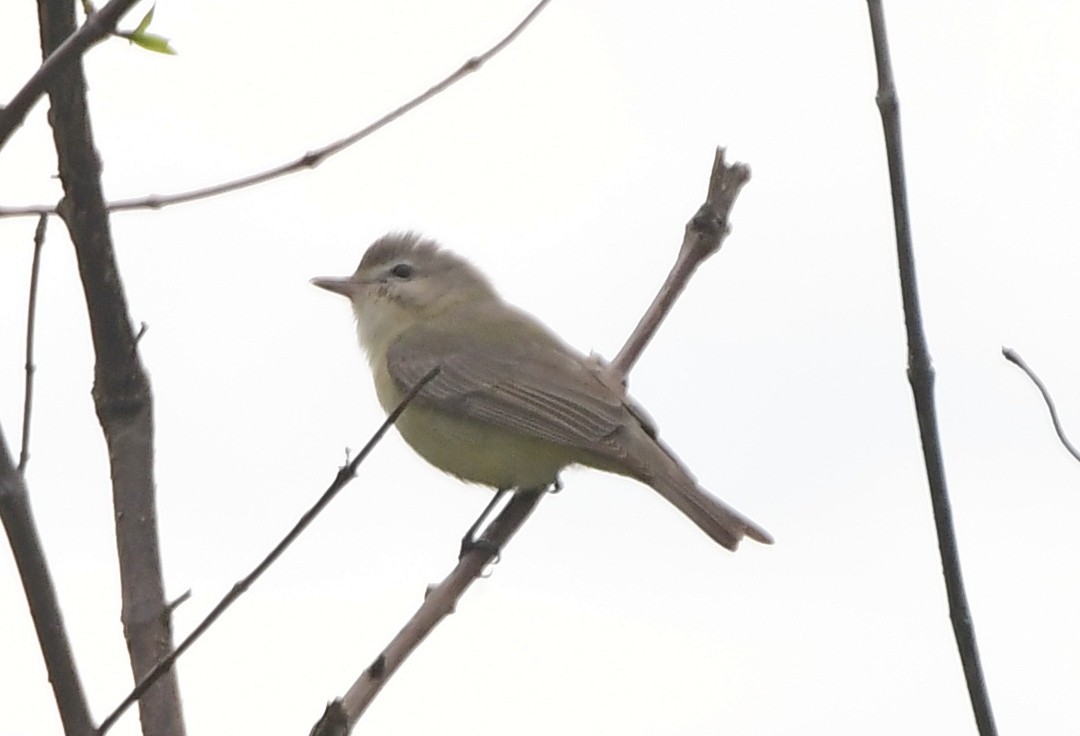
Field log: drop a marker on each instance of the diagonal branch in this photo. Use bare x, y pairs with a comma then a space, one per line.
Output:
921, 377
26, 548
342, 715
705, 232
97, 26
344, 475
311, 159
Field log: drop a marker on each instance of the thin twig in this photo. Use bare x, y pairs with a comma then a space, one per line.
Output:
310, 159
98, 25
31, 311
345, 474
704, 234
921, 377
1013, 357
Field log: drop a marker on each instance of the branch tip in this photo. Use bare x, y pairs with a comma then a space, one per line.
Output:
1013, 357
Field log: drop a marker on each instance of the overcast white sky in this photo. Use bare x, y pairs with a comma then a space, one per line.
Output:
566, 169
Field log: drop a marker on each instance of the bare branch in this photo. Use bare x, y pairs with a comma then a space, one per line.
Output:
333, 722
704, 234
15, 513
921, 377
438, 604
345, 474
31, 310
309, 160
1013, 357
97, 26
121, 392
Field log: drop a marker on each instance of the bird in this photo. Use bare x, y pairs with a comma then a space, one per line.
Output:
512, 405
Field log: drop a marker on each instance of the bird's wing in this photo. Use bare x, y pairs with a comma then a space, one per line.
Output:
530, 383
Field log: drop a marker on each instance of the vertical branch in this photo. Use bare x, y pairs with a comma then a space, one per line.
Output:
121, 390
921, 377
41, 598
31, 310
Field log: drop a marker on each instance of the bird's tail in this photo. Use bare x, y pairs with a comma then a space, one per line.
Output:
714, 517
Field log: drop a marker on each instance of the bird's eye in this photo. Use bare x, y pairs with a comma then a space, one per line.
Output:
402, 271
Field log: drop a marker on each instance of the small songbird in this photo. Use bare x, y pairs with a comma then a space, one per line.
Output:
512, 404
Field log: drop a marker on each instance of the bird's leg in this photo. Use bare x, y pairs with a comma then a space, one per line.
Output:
472, 540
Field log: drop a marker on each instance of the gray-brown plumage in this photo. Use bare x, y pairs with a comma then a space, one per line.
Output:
512, 404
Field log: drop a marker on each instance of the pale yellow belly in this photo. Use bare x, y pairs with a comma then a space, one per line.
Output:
481, 453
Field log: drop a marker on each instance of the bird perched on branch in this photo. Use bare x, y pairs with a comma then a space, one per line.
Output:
512, 404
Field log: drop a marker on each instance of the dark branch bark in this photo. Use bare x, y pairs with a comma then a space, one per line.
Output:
31, 313
921, 378
41, 598
121, 387
97, 26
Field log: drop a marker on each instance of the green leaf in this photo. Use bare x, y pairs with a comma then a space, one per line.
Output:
152, 42
145, 22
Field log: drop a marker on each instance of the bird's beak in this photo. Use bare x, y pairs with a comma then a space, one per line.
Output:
346, 287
